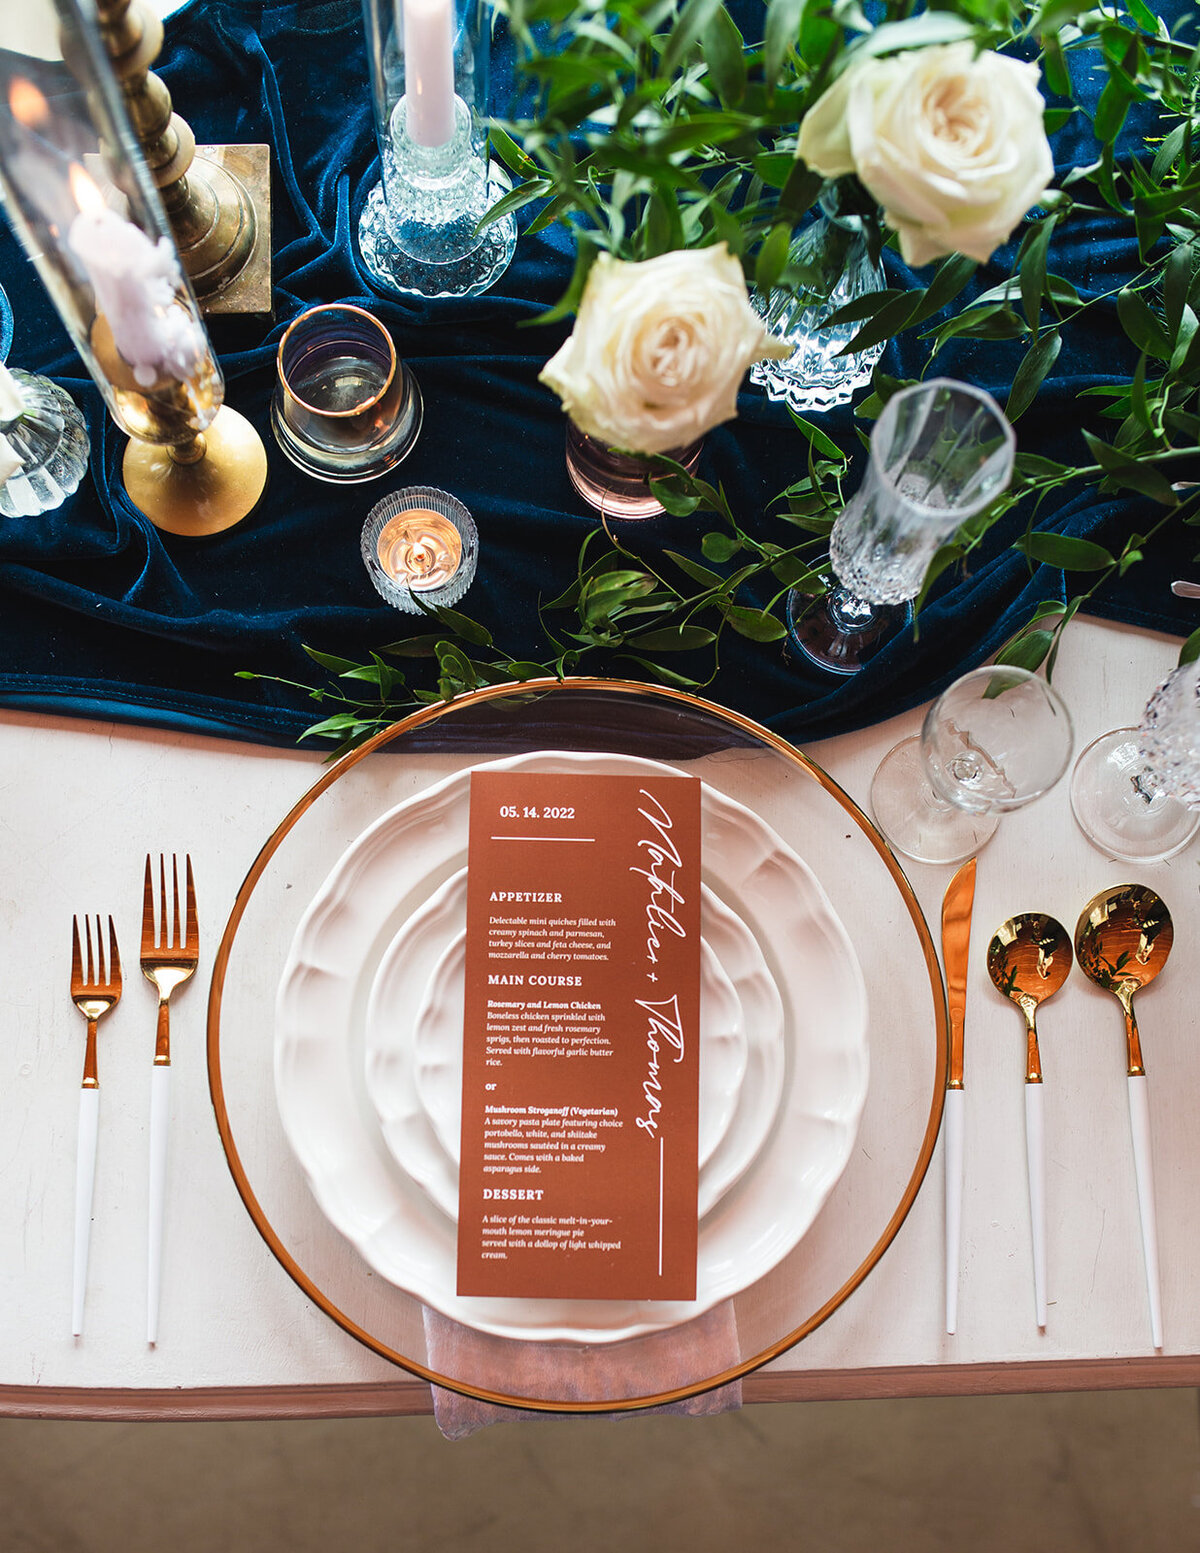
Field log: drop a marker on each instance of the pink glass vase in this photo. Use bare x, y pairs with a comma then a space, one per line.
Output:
618, 484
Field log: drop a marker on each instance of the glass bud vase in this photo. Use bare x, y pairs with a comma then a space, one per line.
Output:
420, 229
833, 252
45, 438
617, 484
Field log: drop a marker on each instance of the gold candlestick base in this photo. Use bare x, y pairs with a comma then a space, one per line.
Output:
201, 487
230, 266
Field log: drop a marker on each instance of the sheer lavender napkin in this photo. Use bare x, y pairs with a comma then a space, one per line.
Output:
592, 1372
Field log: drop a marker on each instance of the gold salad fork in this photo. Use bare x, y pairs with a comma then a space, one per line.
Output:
169, 956
93, 992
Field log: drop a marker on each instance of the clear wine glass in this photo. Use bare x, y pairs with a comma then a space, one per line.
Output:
1135, 792
996, 739
940, 452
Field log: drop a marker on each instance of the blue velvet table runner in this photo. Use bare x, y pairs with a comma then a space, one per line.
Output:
103, 615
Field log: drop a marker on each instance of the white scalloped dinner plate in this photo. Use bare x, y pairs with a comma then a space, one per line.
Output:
389, 872
414, 1046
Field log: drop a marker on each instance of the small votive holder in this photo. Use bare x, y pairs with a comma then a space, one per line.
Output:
346, 408
420, 547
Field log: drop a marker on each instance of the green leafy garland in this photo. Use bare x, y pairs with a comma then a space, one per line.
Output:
655, 125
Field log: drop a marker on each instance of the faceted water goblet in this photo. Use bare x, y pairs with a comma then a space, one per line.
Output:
996, 739
940, 452
1135, 792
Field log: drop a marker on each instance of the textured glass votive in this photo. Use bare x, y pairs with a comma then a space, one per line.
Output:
346, 408
420, 547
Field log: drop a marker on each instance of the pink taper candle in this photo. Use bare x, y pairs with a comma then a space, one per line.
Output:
429, 71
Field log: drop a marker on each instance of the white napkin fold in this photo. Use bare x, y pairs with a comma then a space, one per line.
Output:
641, 1366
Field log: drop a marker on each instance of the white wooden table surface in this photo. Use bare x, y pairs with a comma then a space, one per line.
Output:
81, 803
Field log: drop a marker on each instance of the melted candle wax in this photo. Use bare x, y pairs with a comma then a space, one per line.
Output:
136, 282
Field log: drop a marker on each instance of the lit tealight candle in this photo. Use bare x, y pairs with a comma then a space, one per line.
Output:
420, 549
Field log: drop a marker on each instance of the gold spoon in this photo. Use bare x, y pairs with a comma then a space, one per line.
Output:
1123, 939
1029, 958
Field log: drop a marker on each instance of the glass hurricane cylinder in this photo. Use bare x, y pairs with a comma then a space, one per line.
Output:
81, 200
420, 230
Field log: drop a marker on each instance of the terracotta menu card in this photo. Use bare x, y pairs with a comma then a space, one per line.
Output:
581, 1038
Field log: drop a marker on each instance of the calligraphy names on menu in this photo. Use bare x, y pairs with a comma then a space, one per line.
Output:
581, 1038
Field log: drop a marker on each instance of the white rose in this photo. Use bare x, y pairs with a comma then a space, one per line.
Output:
949, 142
659, 349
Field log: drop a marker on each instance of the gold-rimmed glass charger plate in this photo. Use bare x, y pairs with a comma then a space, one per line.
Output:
906, 1036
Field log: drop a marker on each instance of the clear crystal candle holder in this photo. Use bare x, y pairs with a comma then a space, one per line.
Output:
420, 547
833, 251
47, 440
421, 230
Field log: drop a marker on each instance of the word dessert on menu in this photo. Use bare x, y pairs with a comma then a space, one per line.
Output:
581, 1038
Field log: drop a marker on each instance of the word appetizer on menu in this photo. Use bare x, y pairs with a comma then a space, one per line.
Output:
581, 1038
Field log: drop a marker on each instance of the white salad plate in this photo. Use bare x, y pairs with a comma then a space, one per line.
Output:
390, 872
414, 1034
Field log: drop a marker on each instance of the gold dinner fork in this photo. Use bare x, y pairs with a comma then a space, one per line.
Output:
169, 956
93, 992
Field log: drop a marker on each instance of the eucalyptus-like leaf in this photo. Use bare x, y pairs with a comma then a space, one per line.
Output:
682, 638
724, 52
462, 625
944, 557
673, 501
1026, 651
1142, 324
1032, 271
1031, 374
695, 571
719, 547
1131, 473
340, 724
757, 624
1190, 650
781, 32
330, 661
660, 672
891, 319
1065, 551
772, 257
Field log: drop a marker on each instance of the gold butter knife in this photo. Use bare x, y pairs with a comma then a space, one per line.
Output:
956, 940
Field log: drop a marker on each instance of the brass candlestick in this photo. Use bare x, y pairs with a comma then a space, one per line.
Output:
217, 198
84, 205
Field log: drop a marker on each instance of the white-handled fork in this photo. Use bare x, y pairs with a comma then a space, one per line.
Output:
93, 991
169, 956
